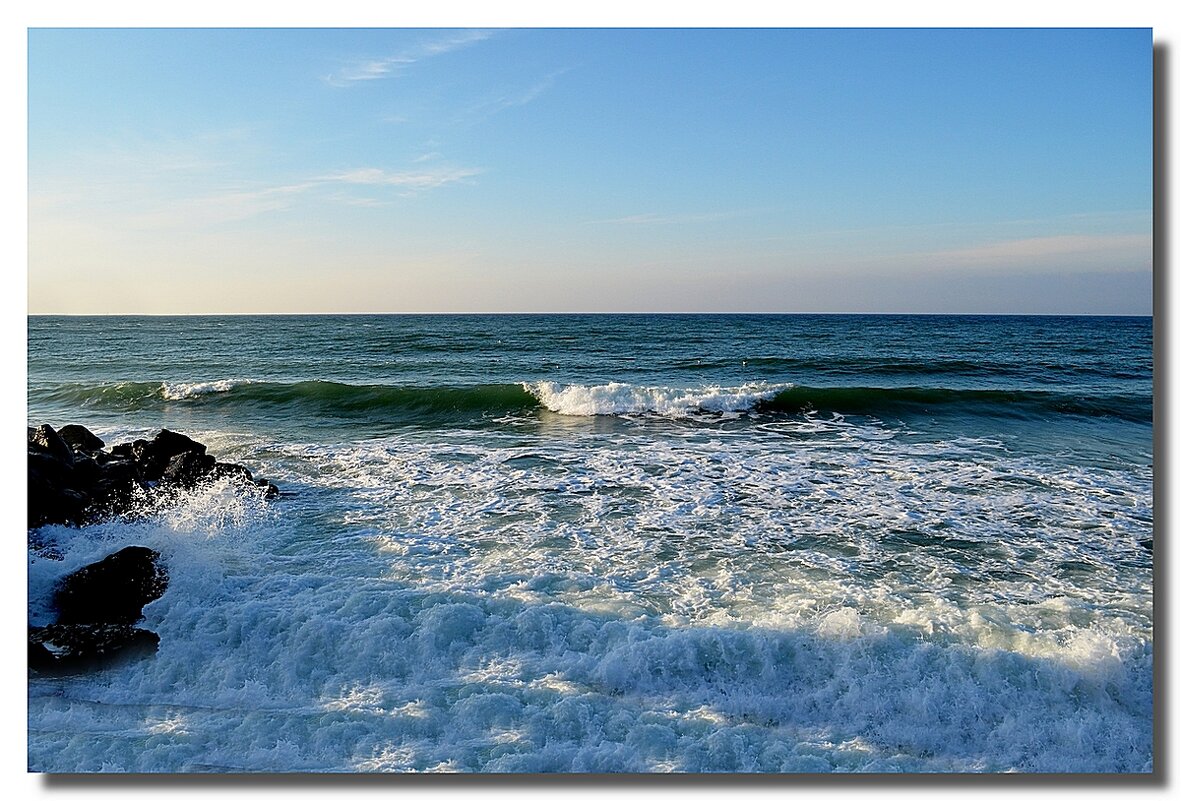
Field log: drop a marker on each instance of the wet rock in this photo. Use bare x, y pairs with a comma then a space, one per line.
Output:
45, 440
113, 590
185, 469
73, 481
74, 647
79, 438
52, 490
153, 457
222, 469
98, 607
117, 489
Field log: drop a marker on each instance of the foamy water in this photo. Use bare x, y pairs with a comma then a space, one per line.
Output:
812, 596
642, 543
620, 398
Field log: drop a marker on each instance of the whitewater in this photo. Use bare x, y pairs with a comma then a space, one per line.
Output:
710, 558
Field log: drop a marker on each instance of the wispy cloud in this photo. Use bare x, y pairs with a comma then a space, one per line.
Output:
343, 188
1132, 249
221, 207
372, 69
516, 97
672, 219
411, 179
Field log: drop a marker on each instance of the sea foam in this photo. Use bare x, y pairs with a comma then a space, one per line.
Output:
175, 391
620, 398
810, 599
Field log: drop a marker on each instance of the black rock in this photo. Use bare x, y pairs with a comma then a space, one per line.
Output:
50, 467
51, 491
185, 469
222, 469
170, 443
125, 450
44, 439
40, 657
86, 471
153, 457
73, 481
116, 490
71, 647
113, 590
79, 438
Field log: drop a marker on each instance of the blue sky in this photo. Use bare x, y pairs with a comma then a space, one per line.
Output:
240, 171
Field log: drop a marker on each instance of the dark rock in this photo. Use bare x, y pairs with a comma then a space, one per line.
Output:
153, 457
51, 468
117, 490
169, 443
44, 439
40, 657
73, 481
86, 471
98, 607
52, 498
187, 468
113, 590
79, 438
71, 647
125, 450
222, 469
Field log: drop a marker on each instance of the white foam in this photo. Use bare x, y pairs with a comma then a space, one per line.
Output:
615, 601
174, 391
618, 398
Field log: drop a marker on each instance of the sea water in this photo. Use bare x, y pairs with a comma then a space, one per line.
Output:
620, 543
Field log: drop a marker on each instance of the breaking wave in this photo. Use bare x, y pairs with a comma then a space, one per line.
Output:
614, 398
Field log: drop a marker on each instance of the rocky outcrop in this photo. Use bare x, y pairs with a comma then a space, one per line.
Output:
113, 590
98, 607
74, 481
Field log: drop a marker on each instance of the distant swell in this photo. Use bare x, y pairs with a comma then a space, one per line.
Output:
314, 397
337, 399
902, 400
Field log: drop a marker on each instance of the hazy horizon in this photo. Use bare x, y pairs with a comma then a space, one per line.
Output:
577, 314
776, 171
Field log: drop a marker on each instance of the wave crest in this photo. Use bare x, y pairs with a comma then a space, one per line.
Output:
618, 398
586, 400
183, 391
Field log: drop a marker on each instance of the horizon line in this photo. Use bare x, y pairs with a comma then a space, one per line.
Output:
588, 314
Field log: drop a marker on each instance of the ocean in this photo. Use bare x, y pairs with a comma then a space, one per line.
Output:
620, 543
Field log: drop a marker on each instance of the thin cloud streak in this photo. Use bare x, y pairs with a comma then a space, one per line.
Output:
671, 219
515, 99
236, 205
1131, 247
421, 179
379, 68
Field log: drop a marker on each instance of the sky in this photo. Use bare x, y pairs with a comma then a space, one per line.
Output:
175, 171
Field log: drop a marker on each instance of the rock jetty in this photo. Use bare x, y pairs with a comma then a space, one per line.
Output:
98, 607
74, 481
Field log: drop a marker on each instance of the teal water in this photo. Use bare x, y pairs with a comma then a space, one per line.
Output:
625, 543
